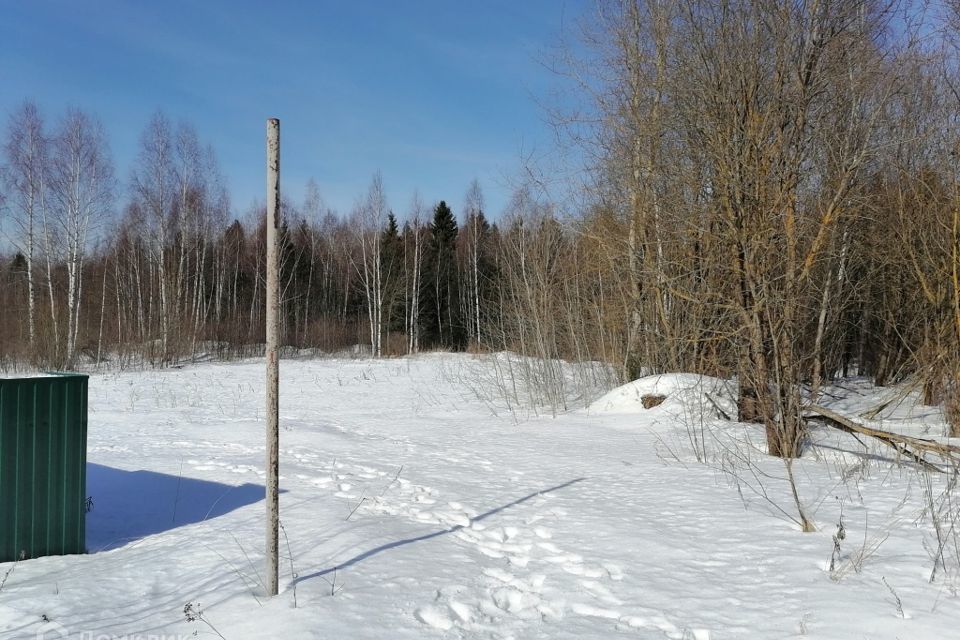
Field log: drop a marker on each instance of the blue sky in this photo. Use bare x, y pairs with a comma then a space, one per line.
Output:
431, 93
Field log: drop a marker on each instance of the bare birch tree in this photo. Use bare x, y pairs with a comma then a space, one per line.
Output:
475, 231
26, 156
413, 249
81, 192
369, 217
154, 192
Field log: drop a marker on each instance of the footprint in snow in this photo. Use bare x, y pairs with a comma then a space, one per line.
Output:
434, 617
512, 600
613, 570
462, 611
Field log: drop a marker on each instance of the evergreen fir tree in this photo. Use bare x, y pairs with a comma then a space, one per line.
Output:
391, 274
440, 308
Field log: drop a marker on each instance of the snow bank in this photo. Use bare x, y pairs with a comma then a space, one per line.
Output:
682, 393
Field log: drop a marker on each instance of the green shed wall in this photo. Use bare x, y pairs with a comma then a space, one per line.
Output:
43, 466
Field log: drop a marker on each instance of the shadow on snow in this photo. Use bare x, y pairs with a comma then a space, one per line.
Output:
130, 505
428, 536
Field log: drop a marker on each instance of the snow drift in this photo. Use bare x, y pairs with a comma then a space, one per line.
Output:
677, 394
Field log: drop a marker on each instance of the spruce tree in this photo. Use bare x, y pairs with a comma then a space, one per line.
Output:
440, 308
391, 274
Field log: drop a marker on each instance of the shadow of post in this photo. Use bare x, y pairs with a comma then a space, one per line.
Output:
130, 505
428, 536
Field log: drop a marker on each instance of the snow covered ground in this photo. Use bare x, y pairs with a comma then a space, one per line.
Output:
418, 503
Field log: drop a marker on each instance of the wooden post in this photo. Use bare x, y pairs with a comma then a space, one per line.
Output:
273, 364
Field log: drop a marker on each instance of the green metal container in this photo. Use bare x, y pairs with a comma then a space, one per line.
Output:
43, 466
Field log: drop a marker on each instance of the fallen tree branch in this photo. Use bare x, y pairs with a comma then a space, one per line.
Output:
914, 448
896, 398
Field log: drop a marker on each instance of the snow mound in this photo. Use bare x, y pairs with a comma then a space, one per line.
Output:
686, 393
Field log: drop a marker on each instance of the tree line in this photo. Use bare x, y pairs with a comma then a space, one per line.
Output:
159, 269
174, 274
771, 192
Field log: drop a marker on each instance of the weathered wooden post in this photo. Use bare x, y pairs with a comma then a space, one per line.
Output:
273, 364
